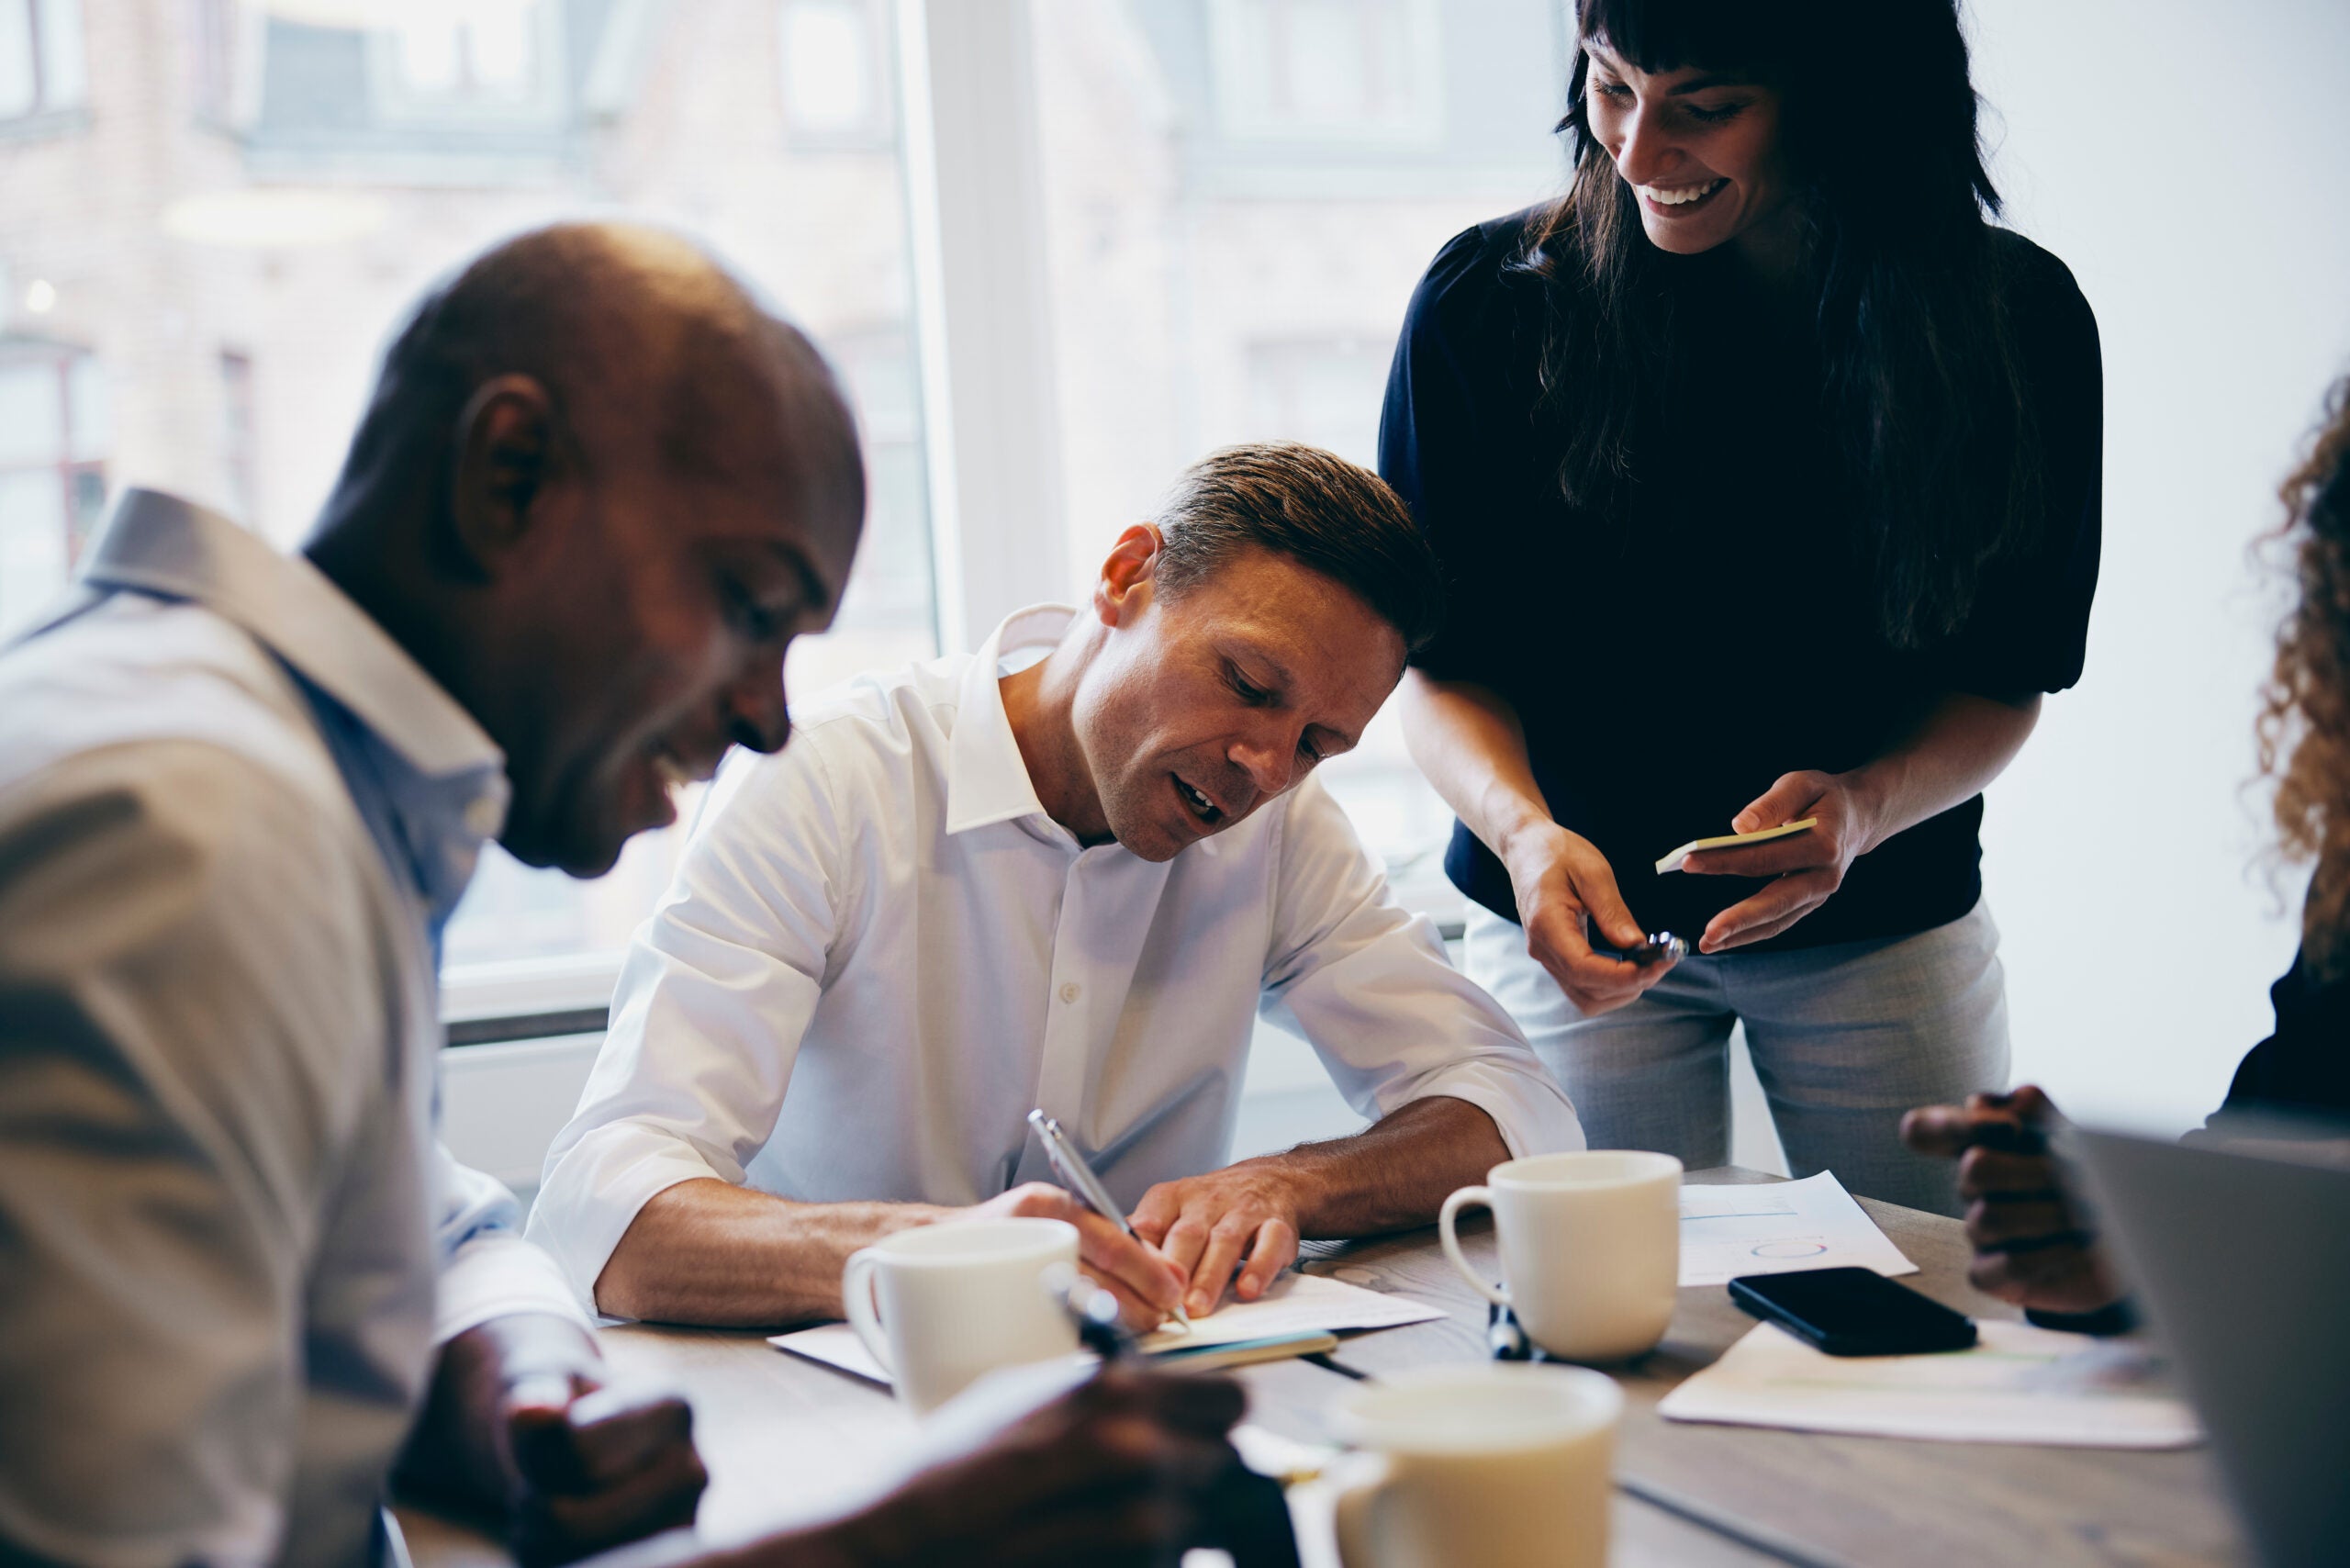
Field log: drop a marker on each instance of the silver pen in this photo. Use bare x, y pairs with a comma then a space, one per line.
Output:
1085, 1184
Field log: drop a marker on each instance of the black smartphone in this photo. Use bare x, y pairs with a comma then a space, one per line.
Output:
1852, 1312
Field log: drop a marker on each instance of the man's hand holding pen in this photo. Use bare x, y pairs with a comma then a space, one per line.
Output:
1194, 1232
1242, 1218
1149, 1285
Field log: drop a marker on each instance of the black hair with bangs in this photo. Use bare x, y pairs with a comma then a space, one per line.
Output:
1921, 381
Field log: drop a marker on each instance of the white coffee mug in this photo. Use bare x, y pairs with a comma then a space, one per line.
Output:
941, 1304
1590, 1244
1503, 1466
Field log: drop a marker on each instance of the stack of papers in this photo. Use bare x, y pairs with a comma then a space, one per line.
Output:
2021, 1384
1778, 1229
1296, 1303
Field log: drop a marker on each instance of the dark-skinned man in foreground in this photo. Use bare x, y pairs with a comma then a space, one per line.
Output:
597, 493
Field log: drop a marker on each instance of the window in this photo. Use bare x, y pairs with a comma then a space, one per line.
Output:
1185, 282
1313, 391
458, 60
1326, 69
224, 47
54, 440
41, 66
236, 308
835, 85
1240, 195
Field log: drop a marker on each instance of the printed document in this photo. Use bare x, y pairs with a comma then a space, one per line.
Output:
1779, 1228
2021, 1384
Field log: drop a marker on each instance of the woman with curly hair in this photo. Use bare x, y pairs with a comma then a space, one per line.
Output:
2029, 1244
1766, 470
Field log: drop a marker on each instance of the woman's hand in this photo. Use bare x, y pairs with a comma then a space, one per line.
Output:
1957, 748
1560, 880
1810, 867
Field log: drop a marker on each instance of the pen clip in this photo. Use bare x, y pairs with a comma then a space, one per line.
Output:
1073, 1170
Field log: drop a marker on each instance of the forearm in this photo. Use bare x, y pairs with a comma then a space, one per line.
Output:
1394, 1174
1961, 745
710, 1252
1468, 741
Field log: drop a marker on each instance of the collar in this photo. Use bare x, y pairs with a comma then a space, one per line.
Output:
428, 783
987, 778
160, 544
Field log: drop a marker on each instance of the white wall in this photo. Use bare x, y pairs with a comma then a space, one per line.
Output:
2191, 162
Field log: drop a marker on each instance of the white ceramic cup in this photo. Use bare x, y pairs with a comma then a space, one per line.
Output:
1503, 1466
939, 1305
1591, 1248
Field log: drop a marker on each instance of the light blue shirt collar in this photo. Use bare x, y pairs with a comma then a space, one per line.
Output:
429, 784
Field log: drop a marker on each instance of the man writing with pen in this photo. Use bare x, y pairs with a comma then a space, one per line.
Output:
1066, 872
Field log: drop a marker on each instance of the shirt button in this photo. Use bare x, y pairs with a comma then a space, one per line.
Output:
1071, 990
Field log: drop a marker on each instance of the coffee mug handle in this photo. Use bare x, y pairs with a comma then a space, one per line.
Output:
856, 1296
1467, 1197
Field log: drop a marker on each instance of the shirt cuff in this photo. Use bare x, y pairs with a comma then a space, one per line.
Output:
595, 1192
496, 1275
1533, 1116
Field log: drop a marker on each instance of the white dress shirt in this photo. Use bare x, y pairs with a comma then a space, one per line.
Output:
222, 1209
879, 953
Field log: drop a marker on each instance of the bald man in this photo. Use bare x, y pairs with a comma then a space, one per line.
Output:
596, 494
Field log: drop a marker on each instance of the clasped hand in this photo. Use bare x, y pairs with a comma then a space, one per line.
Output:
2031, 1246
522, 1421
1565, 888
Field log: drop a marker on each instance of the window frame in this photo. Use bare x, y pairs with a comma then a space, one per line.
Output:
51, 111
982, 343
397, 103
62, 358
878, 126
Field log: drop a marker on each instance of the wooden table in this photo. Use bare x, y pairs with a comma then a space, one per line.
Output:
789, 1441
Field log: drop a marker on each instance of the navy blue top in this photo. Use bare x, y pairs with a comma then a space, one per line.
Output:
1669, 667
2303, 1068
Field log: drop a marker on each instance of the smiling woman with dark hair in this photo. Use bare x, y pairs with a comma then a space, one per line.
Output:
1765, 471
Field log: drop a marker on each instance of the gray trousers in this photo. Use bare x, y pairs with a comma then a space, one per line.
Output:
1844, 1039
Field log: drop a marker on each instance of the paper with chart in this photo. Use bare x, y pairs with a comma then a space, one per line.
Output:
2021, 1384
1295, 1303
1777, 1228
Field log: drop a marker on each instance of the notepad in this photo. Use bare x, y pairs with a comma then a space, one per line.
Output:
1733, 840
1297, 1308
2021, 1384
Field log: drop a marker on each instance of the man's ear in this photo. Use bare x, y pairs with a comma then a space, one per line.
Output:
507, 452
1128, 577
